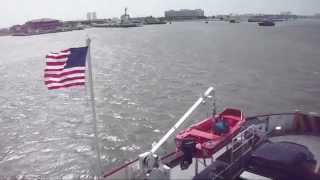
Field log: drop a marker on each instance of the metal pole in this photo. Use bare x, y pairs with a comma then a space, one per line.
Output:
94, 116
214, 108
196, 167
181, 120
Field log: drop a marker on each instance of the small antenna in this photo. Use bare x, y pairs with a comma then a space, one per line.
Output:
214, 106
88, 40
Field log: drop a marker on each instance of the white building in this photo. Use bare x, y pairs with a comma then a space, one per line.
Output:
94, 15
91, 16
184, 14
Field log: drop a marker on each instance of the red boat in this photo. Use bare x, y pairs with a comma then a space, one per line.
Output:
206, 138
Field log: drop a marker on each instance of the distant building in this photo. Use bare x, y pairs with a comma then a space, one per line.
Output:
116, 20
43, 24
15, 28
184, 14
4, 31
38, 26
94, 15
89, 16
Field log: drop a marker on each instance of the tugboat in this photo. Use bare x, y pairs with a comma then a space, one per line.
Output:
266, 23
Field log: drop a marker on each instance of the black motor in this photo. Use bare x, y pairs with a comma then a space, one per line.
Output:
187, 147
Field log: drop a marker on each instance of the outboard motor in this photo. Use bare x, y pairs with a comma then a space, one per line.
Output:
187, 147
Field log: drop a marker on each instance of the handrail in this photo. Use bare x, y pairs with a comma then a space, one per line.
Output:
271, 114
119, 168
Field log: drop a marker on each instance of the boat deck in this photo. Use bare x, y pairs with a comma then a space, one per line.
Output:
293, 127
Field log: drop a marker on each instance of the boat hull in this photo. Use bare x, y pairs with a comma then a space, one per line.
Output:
207, 140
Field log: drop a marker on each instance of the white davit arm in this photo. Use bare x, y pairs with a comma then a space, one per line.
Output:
181, 120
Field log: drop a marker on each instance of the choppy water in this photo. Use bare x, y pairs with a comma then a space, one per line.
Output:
145, 78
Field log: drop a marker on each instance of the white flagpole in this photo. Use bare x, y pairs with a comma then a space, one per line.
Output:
94, 116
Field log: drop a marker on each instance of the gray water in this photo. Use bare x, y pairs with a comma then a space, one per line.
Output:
145, 78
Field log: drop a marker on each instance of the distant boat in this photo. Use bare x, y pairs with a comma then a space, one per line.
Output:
255, 19
126, 21
266, 23
234, 21
206, 22
126, 25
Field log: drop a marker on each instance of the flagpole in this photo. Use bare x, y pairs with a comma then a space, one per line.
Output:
94, 116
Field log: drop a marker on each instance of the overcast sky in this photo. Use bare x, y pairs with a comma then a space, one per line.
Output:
19, 11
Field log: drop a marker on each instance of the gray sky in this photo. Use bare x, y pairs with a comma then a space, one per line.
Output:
19, 11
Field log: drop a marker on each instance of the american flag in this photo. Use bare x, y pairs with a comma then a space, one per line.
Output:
66, 68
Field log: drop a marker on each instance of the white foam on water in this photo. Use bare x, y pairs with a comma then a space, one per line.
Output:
31, 142
130, 148
117, 116
113, 139
85, 135
14, 157
115, 102
131, 103
83, 148
30, 97
68, 177
47, 150
36, 133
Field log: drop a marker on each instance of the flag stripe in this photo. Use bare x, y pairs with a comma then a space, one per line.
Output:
52, 71
63, 80
55, 67
65, 77
66, 86
58, 56
57, 60
60, 71
64, 52
66, 83
55, 63
64, 74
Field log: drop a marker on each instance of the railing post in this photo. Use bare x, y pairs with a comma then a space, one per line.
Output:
196, 166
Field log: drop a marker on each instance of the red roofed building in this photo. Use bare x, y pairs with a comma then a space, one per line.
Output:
38, 26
